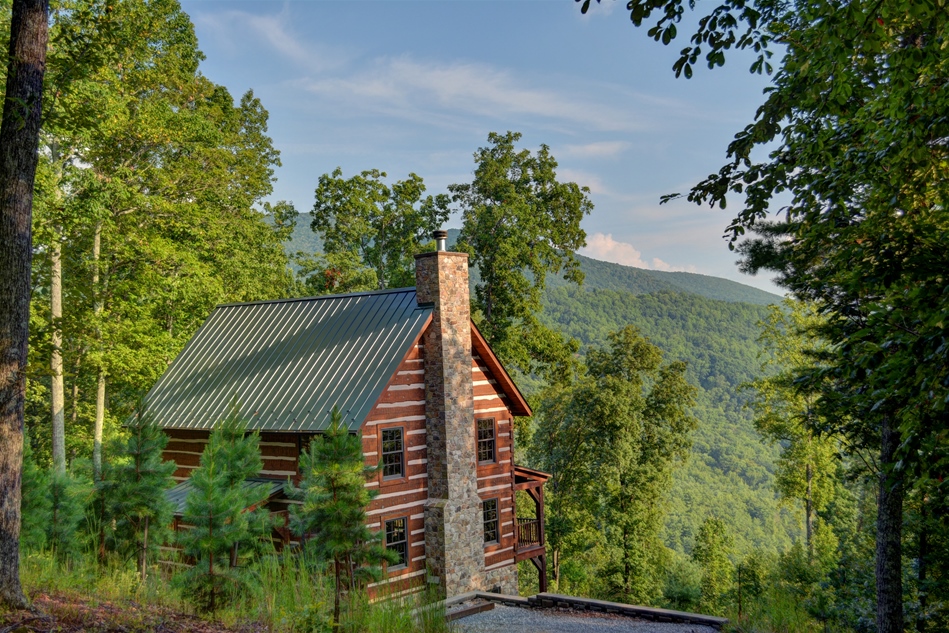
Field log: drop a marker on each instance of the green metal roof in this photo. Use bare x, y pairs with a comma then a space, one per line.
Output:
288, 363
179, 494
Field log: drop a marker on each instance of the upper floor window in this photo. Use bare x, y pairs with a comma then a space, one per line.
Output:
486, 441
489, 509
397, 540
393, 450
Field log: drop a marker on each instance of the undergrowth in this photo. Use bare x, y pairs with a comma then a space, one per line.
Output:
282, 594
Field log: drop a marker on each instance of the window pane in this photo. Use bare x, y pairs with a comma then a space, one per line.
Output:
486, 441
490, 511
392, 448
397, 540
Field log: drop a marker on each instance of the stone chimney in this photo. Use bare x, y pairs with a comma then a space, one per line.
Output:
454, 529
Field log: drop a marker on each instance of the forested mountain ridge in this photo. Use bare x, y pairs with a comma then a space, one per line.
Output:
610, 276
730, 470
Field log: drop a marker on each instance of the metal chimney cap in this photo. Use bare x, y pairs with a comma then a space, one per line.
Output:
440, 237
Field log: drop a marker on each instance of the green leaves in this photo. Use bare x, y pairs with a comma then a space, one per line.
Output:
132, 492
520, 224
223, 511
331, 517
362, 220
610, 441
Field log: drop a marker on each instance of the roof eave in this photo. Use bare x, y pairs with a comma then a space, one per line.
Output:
519, 406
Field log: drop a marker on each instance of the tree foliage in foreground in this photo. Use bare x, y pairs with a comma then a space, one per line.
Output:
331, 518
147, 206
222, 512
133, 492
854, 133
19, 131
808, 469
610, 441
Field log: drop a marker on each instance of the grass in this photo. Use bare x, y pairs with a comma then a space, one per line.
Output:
281, 596
776, 611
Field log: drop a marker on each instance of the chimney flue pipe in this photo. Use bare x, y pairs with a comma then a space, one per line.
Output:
440, 237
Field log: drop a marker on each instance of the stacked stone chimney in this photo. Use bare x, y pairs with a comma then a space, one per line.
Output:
454, 529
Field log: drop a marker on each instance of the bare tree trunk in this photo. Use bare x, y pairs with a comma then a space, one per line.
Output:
923, 557
56, 361
339, 590
19, 136
100, 381
144, 559
809, 512
889, 569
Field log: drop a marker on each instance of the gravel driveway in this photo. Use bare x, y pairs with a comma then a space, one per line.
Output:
503, 619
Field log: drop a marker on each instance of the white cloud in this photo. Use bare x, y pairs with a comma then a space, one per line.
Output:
584, 179
603, 247
233, 29
601, 149
430, 91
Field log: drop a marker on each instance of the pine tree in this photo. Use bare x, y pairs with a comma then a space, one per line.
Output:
333, 509
135, 491
217, 511
65, 493
35, 508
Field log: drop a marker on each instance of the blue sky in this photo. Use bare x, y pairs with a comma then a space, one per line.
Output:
417, 85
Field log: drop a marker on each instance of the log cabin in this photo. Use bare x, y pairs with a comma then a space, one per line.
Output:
415, 379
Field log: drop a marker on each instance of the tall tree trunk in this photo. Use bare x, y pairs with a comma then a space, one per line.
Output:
339, 590
19, 137
923, 558
100, 378
889, 534
809, 512
56, 361
144, 554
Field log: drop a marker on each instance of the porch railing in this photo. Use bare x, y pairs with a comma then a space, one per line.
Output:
528, 532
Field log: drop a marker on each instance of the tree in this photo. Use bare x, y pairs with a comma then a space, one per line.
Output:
363, 219
150, 203
711, 552
35, 511
134, 491
331, 519
520, 224
610, 443
66, 495
222, 510
19, 131
855, 130
807, 469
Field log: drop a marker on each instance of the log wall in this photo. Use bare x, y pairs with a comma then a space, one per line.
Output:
496, 481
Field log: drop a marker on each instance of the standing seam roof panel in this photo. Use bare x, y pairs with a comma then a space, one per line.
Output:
340, 374
288, 362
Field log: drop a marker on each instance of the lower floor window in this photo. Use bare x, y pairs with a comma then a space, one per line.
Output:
489, 509
397, 540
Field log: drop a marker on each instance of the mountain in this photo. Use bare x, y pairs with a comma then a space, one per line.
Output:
730, 470
608, 276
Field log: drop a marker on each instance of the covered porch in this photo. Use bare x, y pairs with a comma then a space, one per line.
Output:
529, 530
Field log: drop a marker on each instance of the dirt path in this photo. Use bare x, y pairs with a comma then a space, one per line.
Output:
64, 614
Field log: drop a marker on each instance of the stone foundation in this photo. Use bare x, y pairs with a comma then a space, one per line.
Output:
503, 577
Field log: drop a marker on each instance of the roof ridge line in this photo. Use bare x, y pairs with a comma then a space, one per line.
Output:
366, 293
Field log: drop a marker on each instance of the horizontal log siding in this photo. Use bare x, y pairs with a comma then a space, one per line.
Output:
280, 452
401, 405
495, 481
